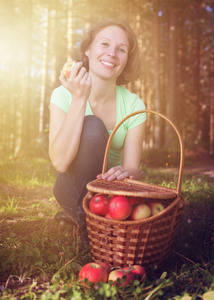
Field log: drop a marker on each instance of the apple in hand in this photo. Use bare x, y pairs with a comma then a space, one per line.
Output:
94, 272
67, 68
119, 273
140, 211
120, 207
99, 205
155, 207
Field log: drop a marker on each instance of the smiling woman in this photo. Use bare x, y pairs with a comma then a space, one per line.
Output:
132, 68
108, 54
86, 108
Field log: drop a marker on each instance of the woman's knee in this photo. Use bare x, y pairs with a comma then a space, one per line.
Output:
94, 129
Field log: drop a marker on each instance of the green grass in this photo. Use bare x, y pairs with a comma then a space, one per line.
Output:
41, 260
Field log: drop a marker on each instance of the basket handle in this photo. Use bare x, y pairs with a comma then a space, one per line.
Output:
105, 162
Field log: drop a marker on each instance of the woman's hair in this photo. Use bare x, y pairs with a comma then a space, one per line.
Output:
132, 69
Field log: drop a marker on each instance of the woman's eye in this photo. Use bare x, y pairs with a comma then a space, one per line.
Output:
122, 50
105, 44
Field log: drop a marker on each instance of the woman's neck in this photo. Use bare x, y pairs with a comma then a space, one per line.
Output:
102, 91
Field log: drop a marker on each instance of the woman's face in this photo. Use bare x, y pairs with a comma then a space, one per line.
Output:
108, 53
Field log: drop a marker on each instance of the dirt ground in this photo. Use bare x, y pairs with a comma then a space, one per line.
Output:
202, 162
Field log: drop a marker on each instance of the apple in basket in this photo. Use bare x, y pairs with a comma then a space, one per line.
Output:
136, 200
155, 207
67, 68
108, 216
119, 207
119, 274
140, 211
94, 272
99, 205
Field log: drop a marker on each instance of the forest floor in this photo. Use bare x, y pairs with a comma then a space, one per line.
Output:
201, 163
27, 212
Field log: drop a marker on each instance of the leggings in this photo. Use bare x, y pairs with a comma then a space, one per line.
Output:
70, 187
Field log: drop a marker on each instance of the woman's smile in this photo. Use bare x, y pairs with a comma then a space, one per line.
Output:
108, 64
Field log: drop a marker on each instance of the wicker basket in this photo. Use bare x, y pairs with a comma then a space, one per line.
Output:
144, 242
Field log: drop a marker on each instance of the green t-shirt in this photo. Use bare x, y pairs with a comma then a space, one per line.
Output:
127, 103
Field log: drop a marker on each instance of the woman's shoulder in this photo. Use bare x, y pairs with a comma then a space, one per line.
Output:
129, 98
124, 91
61, 97
61, 90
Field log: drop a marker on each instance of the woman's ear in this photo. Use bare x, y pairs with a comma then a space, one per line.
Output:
87, 52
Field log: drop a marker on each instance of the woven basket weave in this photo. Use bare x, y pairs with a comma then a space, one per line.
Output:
144, 242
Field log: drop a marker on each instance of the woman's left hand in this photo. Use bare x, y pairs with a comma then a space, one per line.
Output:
115, 173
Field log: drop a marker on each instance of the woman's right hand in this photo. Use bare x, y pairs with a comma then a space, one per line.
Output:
79, 82
63, 146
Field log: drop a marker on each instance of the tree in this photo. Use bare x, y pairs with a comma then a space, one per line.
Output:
176, 42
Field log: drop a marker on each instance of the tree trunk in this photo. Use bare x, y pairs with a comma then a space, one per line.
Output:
158, 130
212, 103
171, 103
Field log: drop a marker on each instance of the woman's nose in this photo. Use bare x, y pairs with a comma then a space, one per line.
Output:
111, 52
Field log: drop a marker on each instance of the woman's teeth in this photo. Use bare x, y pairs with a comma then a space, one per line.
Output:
107, 63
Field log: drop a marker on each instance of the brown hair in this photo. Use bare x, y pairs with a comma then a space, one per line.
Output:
132, 69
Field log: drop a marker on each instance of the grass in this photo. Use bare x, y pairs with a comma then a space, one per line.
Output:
40, 259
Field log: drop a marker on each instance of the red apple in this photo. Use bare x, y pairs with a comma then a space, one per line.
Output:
108, 216
120, 207
136, 200
94, 272
106, 266
156, 207
99, 205
119, 273
140, 211
138, 270
67, 68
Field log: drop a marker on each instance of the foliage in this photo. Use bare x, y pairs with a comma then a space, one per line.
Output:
41, 259
176, 41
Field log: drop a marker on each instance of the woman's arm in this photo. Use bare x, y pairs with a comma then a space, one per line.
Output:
132, 156
65, 129
133, 149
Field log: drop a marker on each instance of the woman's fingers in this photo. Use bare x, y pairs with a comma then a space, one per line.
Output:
62, 78
116, 173
76, 69
79, 82
80, 75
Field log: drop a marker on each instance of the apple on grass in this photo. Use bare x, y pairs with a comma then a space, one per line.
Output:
105, 265
119, 274
137, 270
155, 207
67, 68
140, 211
94, 272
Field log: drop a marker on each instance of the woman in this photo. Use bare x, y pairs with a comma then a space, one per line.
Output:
85, 109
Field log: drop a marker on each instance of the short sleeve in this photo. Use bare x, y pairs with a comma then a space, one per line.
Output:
137, 105
62, 98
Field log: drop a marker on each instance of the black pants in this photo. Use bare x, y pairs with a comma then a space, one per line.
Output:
70, 187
